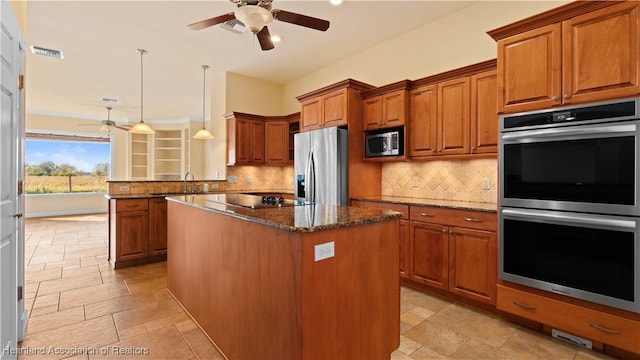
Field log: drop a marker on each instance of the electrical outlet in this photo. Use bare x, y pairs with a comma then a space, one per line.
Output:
124, 188
416, 181
323, 251
248, 179
486, 184
215, 186
232, 179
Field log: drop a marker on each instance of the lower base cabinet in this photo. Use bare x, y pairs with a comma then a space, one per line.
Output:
455, 250
594, 325
448, 249
137, 231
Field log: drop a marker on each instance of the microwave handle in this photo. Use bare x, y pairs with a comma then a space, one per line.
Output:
568, 219
572, 133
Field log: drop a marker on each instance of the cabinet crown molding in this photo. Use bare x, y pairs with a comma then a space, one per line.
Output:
398, 85
549, 17
348, 83
456, 73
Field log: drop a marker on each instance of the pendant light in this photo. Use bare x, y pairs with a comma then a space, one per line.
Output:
141, 127
203, 134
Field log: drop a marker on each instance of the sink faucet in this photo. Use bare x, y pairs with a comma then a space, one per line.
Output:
184, 189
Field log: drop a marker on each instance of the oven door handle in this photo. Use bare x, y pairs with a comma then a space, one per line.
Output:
571, 133
569, 219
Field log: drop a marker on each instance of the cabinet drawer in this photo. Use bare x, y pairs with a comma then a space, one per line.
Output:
588, 323
404, 209
461, 218
132, 205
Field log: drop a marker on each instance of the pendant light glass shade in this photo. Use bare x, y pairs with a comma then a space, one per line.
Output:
203, 134
141, 127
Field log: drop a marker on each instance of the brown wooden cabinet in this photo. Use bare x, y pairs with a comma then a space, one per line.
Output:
157, 226
484, 113
424, 121
259, 140
577, 53
137, 231
276, 142
454, 113
454, 98
385, 107
429, 263
454, 250
245, 139
324, 111
615, 329
447, 249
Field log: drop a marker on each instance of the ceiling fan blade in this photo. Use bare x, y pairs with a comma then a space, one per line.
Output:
302, 20
122, 127
265, 39
210, 22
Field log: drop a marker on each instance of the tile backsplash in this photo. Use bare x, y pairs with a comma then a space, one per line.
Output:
260, 178
442, 179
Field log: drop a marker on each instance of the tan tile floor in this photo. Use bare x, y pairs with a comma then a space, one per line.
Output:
82, 309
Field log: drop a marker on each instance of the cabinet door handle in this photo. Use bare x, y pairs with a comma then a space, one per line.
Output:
525, 306
602, 328
444, 231
426, 215
472, 220
554, 98
566, 96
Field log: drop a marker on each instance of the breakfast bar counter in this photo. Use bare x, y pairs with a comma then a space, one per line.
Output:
286, 280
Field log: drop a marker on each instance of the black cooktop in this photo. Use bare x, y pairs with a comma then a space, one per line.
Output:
253, 201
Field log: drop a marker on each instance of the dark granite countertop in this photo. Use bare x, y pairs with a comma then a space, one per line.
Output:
451, 204
300, 218
154, 195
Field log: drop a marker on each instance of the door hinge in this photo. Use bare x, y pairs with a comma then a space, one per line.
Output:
20, 186
20, 81
19, 293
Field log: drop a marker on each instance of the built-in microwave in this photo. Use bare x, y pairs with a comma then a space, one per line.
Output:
388, 143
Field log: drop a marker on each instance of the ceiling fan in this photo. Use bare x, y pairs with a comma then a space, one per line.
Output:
256, 15
108, 124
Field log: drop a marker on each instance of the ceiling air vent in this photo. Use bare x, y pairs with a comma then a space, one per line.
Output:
234, 25
109, 100
47, 52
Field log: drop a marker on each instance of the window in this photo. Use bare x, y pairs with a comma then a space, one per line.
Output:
66, 163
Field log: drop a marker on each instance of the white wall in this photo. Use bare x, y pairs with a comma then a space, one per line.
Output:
454, 41
39, 205
233, 92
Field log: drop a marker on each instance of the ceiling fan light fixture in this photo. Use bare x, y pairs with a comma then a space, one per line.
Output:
203, 134
141, 127
253, 17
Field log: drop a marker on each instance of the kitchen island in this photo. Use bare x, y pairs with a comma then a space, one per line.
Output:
255, 280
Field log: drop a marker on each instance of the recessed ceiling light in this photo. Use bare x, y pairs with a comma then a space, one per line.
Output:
336, 2
275, 38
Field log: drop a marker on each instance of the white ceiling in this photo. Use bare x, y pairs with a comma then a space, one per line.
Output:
99, 40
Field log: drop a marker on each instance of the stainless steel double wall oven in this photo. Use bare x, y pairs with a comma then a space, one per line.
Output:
570, 201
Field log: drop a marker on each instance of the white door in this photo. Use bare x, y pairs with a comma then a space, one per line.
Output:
11, 138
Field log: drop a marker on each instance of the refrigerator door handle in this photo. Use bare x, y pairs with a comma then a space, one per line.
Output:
307, 177
312, 178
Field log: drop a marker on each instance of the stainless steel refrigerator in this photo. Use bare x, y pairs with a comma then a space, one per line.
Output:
320, 166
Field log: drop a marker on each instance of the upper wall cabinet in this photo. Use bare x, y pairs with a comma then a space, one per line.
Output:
331, 106
385, 107
454, 113
577, 53
258, 140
